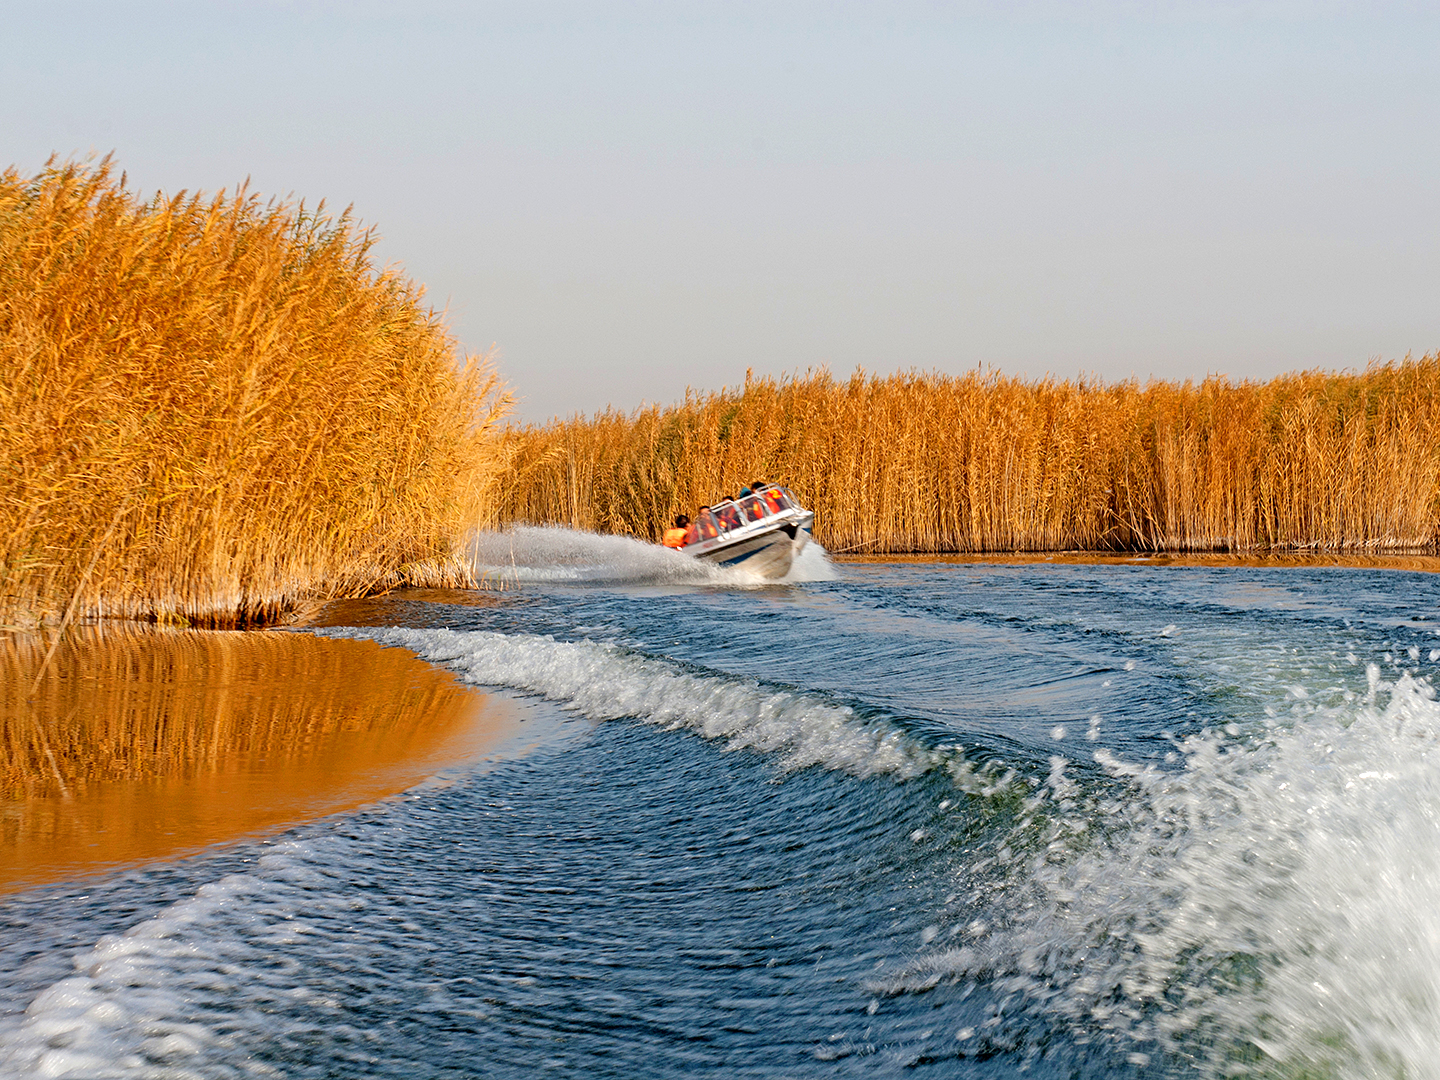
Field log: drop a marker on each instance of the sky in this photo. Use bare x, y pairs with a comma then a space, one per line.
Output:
624, 200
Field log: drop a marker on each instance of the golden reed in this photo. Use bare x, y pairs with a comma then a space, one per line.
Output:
982, 462
210, 406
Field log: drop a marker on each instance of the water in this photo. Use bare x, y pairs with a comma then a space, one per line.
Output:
897, 819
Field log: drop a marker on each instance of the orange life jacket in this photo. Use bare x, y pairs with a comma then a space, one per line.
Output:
674, 538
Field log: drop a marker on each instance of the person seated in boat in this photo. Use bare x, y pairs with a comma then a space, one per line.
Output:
727, 514
754, 506
675, 536
774, 500
702, 528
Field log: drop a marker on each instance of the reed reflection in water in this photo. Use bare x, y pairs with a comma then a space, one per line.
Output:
134, 746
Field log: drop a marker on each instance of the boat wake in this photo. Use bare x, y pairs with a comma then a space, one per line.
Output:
602, 681
549, 554
1274, 899
1272, 894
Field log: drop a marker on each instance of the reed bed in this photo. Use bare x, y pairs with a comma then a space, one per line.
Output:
213, 406
982, 462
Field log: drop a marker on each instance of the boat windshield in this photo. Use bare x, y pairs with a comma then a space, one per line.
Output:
728, 516
754, 507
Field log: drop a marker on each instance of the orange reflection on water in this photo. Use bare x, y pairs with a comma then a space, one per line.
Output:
139, 746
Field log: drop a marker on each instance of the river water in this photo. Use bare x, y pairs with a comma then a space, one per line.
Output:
905, 818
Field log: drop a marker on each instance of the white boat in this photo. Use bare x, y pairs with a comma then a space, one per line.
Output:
761, 532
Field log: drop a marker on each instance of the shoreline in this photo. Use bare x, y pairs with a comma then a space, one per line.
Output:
1429, 563
310, 613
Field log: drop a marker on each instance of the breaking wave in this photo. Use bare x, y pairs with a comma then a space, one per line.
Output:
1272, 901
602, 681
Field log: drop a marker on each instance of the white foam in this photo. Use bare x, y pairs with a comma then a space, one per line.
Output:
1279, 894
605, 682
552, 554
812, 564
148, 1001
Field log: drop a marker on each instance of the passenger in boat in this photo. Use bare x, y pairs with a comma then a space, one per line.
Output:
754, 507
703, 527
773, 499
675, 537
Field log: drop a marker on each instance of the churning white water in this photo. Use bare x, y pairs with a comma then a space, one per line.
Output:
551, 554
1273, 898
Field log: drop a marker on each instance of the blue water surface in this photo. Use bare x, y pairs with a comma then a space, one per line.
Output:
938, 818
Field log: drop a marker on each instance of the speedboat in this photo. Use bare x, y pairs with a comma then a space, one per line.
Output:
762, 532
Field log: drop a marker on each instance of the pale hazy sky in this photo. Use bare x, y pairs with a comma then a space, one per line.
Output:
629, 198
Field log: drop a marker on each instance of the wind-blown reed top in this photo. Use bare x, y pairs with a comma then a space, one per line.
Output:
215, 404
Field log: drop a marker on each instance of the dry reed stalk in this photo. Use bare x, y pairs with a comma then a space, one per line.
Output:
264, 413
981, 462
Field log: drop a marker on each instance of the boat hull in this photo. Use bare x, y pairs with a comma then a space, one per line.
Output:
806, 531
768, 554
